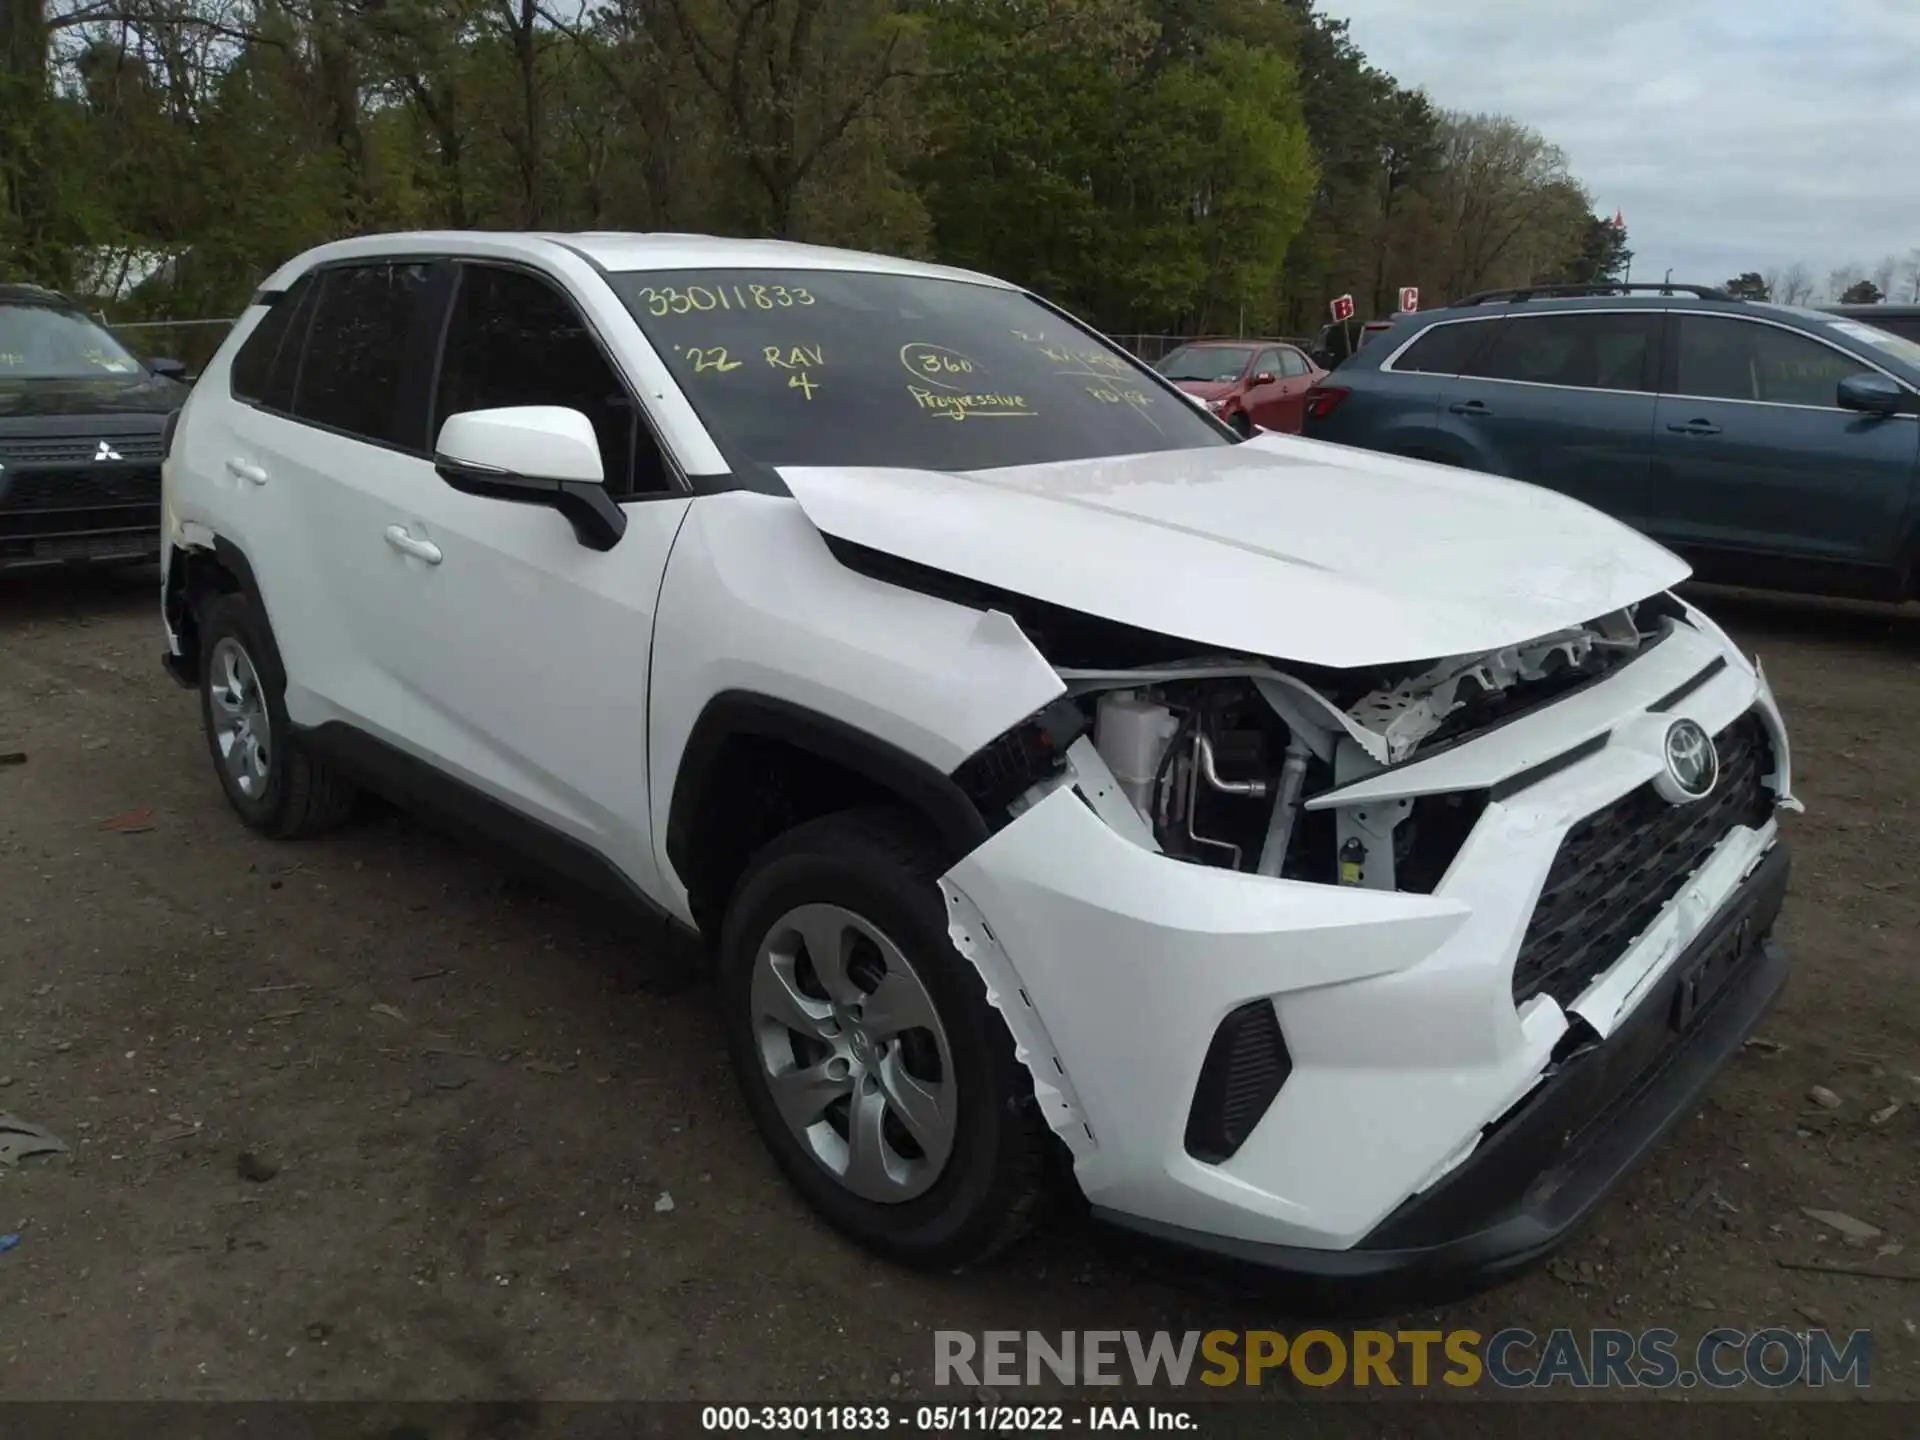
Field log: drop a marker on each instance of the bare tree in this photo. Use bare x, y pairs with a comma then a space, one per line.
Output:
1886, 275
1843, 278
1795, 286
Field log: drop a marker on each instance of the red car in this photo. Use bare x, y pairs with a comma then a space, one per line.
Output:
1246, 382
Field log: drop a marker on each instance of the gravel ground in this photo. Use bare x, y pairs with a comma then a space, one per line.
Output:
379, 1117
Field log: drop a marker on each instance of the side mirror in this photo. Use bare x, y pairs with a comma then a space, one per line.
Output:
533, 455
1265, 377
1872, 393
168, 369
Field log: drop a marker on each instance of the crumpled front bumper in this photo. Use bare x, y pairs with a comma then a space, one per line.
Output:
1114, 965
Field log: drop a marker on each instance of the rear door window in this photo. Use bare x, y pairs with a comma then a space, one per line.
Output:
1603, 351
1445, 349
351, 376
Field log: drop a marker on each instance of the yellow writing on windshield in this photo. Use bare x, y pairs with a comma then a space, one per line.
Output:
1119, 395
710, 357
1095, 359
1099, 360
663, 300
12, 357
792, 357
968, 407
937, 365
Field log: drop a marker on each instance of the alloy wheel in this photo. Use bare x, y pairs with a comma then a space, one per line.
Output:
854, 1053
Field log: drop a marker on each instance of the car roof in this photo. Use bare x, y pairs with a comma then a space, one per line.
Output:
1719, 304
1251, 342
20, 294
620, 252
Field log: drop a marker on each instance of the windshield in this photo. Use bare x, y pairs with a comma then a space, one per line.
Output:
38, 342
1899, 347
854, 368
1215, 364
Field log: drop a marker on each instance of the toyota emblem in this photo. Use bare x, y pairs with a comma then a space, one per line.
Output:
1692, 764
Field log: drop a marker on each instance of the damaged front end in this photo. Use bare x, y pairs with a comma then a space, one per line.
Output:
1225, 761
1288, 949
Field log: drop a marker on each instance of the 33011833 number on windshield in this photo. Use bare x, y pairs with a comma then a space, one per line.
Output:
672, 300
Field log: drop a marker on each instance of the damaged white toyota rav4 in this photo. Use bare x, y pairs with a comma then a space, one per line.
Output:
1350, 866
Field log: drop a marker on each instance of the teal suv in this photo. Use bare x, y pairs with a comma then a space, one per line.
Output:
1770, 445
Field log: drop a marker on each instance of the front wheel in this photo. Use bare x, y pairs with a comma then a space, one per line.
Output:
272, 783
877, 1072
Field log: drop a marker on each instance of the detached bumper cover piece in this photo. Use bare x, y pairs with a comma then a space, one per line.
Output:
1543, 1170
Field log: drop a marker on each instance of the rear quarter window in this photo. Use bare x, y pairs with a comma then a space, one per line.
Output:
262, 371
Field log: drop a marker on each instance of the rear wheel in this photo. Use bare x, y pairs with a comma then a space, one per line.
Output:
877, 1072
273, 785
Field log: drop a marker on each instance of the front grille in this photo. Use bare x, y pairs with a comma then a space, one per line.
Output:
80, 489
77, 450
1246, 1065
1620, 866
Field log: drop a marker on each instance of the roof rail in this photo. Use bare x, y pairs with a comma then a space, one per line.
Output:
1529, 292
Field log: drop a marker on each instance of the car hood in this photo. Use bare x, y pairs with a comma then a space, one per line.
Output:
141, 394
1279, 547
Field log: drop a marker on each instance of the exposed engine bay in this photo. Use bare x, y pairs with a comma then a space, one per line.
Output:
1214, 761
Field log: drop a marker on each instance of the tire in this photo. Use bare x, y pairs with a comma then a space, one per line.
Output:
273, 785
861, 882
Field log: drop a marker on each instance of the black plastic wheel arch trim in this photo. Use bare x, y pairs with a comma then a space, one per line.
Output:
954, 818
231, 558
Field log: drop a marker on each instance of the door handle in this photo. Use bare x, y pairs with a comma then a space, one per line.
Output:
246, 470
1695, 427
400, 540
1469, 407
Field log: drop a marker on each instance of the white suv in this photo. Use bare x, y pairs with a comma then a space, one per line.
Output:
1348, 865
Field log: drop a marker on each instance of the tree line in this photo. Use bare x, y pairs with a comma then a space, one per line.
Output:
1896, 279
1160, 166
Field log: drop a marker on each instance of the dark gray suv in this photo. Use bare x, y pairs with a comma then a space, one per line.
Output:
1771, 445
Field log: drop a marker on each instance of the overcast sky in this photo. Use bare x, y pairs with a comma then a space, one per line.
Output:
1732, 134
